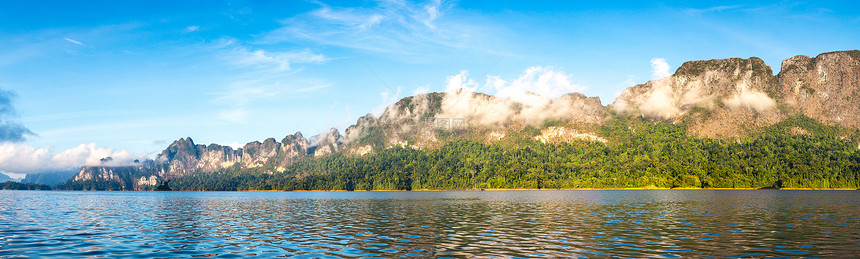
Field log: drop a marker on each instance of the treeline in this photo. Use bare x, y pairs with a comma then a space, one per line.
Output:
798, 152
11, 185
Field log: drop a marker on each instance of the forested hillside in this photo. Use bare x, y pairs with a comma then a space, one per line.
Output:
798, 152
722, 123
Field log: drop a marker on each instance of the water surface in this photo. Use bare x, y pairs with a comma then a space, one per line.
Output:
641, 223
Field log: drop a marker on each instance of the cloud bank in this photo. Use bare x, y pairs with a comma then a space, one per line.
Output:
22, 158
531, 98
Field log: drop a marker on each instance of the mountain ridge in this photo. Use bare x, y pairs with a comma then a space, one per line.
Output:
720, 99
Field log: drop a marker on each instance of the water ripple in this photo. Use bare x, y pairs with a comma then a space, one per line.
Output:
516, 224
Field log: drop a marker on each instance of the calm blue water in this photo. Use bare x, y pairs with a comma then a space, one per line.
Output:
652, 223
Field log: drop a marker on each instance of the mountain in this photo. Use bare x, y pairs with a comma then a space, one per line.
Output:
49, 178
825, 88
713, 123
718, 98
5, 178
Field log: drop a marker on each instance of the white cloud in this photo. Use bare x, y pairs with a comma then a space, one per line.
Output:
277, 61
22, 158
432, 12
532, 98
241, 93
630, 81
191, 29
659, 68
668, 97
388, 97
264, 76
74, 41
311, 88
542, 81
751, 99
421, 90
405, 30
697, 12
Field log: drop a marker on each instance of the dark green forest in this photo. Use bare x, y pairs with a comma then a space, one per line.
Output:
10, 185
639, 153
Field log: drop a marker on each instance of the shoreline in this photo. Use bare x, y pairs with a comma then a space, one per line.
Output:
569, 189
513, 189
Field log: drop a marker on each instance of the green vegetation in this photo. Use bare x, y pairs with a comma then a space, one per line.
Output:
638, 154
10, 185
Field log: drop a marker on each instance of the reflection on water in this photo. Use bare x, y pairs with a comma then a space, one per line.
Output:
652, 223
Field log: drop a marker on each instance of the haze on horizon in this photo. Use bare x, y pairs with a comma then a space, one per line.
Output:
83, 81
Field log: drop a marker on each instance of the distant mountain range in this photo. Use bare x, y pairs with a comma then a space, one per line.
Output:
50, 177
722, 108
4, 178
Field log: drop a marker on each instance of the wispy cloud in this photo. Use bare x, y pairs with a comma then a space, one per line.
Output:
392, 27
699, 11
191, 29
263, 75
278, 61
388, 98
259, 59
74, 41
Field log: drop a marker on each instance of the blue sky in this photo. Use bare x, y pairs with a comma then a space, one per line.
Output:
126, 78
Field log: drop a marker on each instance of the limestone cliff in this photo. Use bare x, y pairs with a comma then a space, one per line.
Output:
718, 98
255, 154
137, 177
825, 88
293, 148
183, 157
327, 144
417, 121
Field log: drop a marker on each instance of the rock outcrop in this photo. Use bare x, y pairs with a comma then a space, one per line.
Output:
138, 177
255, 154
719, 98
183, 157
825, 88
328, 143
293, 148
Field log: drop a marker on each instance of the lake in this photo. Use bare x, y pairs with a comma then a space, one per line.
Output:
636, 223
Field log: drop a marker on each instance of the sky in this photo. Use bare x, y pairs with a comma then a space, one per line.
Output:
82, 80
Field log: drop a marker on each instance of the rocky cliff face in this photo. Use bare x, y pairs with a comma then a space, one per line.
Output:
137, 177
328, 143
825, 88
293, 148
255, 154
417, 121
580, 109
718, 97
727, 97
184, 157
